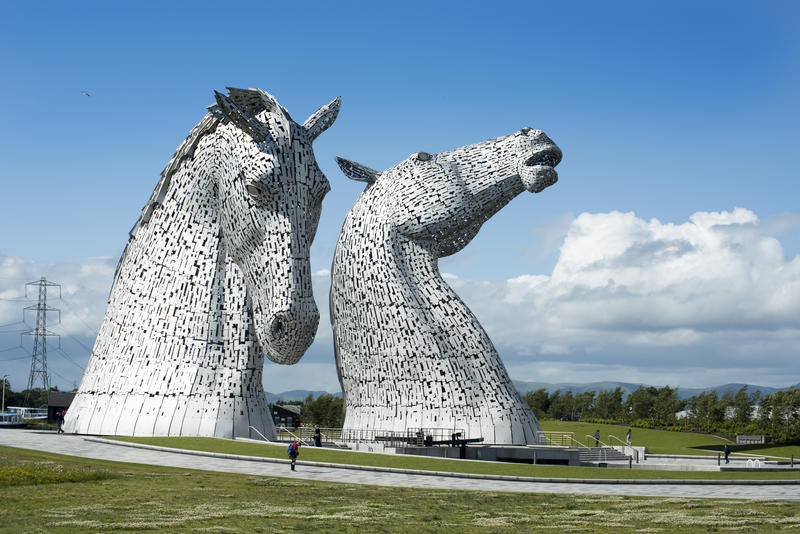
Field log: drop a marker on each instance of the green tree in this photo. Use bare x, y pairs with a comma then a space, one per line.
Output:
743, 406
639, 404
561, 405
706, 410
608, 404
665, 404
583, 404
325, 411
785, 413
539, 401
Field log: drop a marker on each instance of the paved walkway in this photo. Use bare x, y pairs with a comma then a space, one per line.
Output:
79, 446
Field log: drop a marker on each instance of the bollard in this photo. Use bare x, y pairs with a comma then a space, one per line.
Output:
718, 459
792, 465
630, 462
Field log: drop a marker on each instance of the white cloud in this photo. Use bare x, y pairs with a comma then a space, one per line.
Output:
83, 294
712, 293
83, 297
711, 300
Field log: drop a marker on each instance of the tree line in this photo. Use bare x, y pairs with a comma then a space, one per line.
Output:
37, 397
777, 414
327, 411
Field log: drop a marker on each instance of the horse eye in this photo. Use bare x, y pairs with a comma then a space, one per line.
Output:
252, 190
423, 156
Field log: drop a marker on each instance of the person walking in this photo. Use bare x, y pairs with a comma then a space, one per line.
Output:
294, 452
628, 439
727, 452
597, 438
60, 418
317, 436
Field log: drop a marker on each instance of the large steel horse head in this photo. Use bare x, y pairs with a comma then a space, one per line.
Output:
214, 277
411, 356
270, 192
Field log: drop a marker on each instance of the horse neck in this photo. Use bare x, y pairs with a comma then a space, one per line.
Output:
171, 263
373, 256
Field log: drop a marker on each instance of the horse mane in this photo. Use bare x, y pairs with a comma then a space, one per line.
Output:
183, 152
251, 100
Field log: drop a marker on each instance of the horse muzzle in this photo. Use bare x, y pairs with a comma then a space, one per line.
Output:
537, 167
286, 335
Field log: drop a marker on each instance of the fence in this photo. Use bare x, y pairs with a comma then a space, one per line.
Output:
389, 438
559, 439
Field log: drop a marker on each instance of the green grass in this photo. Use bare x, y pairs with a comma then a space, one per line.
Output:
152, 498
28, 473
665, 442
439, 464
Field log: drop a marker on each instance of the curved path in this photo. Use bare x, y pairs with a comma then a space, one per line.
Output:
74, 445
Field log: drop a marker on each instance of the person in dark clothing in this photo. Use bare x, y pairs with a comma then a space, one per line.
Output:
727, 452
317, 436
597, 438
294, 451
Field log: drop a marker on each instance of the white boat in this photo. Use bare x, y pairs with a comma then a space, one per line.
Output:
28, 413
11, 420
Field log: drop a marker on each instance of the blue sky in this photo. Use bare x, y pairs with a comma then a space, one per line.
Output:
662, 110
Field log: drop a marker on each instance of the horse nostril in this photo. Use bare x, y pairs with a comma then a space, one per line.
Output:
277, 331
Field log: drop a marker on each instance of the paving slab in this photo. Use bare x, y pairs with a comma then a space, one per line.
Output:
75, 445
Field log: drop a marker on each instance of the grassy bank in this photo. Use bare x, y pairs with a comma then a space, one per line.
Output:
665, 442
439, 464
137, 497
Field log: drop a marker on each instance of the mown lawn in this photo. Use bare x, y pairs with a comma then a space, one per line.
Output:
132, 498
439, 464
664, 442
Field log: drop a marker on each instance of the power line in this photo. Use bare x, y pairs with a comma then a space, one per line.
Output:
78, 341
75, 314
12, 359
67, 356
12, 348
62, 377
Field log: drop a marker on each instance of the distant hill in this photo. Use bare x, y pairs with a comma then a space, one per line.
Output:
296, 395
627, 387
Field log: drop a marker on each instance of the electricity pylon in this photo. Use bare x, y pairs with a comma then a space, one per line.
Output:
40, 335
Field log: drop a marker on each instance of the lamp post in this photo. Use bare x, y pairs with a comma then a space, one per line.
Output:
3, 409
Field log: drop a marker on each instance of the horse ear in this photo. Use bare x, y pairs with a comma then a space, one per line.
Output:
356, 171
241, 118
323, 118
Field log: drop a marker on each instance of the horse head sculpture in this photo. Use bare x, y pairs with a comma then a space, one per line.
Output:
214, 277
410, 355
270, 193
445, 198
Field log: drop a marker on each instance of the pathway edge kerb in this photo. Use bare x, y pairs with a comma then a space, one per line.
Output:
639, 481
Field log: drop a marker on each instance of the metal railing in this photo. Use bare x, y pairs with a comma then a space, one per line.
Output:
625, 448
254, 429
598, 445
559, 439
415, 437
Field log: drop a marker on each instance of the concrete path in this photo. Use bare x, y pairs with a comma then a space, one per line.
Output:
79, 446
